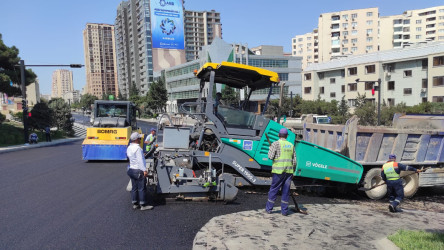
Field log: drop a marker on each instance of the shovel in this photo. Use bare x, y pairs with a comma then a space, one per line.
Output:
368, 189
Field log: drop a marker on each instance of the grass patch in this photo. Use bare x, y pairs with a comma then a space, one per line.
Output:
406, 239
12, 134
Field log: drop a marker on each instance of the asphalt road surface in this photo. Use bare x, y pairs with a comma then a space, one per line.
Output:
50, 198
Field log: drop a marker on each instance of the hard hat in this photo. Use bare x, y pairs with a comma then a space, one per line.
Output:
283, 131
392, 156
134, 136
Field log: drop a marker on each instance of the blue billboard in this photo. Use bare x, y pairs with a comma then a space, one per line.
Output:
167, 24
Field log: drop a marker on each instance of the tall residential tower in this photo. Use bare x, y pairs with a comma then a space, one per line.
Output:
201, 27
100, 60
62, 82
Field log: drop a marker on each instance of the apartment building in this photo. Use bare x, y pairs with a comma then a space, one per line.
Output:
100, 60
62, 82
411, 27
182, 85
338, 34
201, 27
409, 75
361, 31
33, 93
147, 41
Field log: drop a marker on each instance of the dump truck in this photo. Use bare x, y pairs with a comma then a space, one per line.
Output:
416, 140
227, 147
112, 124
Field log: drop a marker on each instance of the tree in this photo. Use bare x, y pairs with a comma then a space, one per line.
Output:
41, 116
343, 113
230, 96
366, 111
10, 72
87, 100
157, 97
62, 115
2, 118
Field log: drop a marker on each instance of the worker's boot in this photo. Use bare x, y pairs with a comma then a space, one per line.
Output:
398, 209
143, 208
392, 208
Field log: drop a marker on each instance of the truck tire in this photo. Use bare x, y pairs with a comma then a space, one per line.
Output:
410, 183
371, 179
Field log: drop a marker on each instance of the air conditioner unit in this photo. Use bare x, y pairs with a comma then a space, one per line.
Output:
388, 74
345, 28
368, 34
423, 90
345, 36
353, 27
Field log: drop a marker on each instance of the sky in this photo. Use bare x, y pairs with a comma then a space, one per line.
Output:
50, 31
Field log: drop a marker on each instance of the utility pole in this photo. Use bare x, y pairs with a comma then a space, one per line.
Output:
24, 102
23, 86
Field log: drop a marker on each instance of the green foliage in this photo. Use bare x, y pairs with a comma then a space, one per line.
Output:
120, 97
41, 116
9, 72
157, 97
230, 96
366, 111
87, 100
12, 134
2, 118
406, 239
62, 115
18, 116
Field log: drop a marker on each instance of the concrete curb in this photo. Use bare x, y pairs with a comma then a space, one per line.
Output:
385, 244
39, 145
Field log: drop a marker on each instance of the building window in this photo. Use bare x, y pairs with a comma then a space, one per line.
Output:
370, 69
332, 80
424, 83
425, 64
418, 21
438, 81
369, 14
390, 67
333, 94
354, 40
391, 85
321, 75
438, 61
307, 90
344, 50
335, 18
355, 15
369, 85
369, 48
342, 72
345, 25
418, 28
418, 36
283, 76
352, 71
354, 24
351, 102
354, 32
300, 39
321, 90
345, 17
342, 88
407, 91
407, 21
369, 22
352, 87
438, 99
307, 76
345, 33
391, 102
354, 49
369, 39
369, 31
407, 73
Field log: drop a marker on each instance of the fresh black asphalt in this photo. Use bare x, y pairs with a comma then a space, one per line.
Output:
51, 198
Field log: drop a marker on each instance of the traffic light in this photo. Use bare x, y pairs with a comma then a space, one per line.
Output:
29, 114
373, 91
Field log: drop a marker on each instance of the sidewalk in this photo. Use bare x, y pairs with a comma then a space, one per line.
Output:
327, 226
38, 145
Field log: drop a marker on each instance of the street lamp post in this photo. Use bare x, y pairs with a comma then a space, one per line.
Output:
379, 82
23, 85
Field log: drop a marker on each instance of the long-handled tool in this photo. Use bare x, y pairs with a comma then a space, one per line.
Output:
296, 206
381, 184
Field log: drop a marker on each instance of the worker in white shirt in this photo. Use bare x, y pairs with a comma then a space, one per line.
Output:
137, 171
